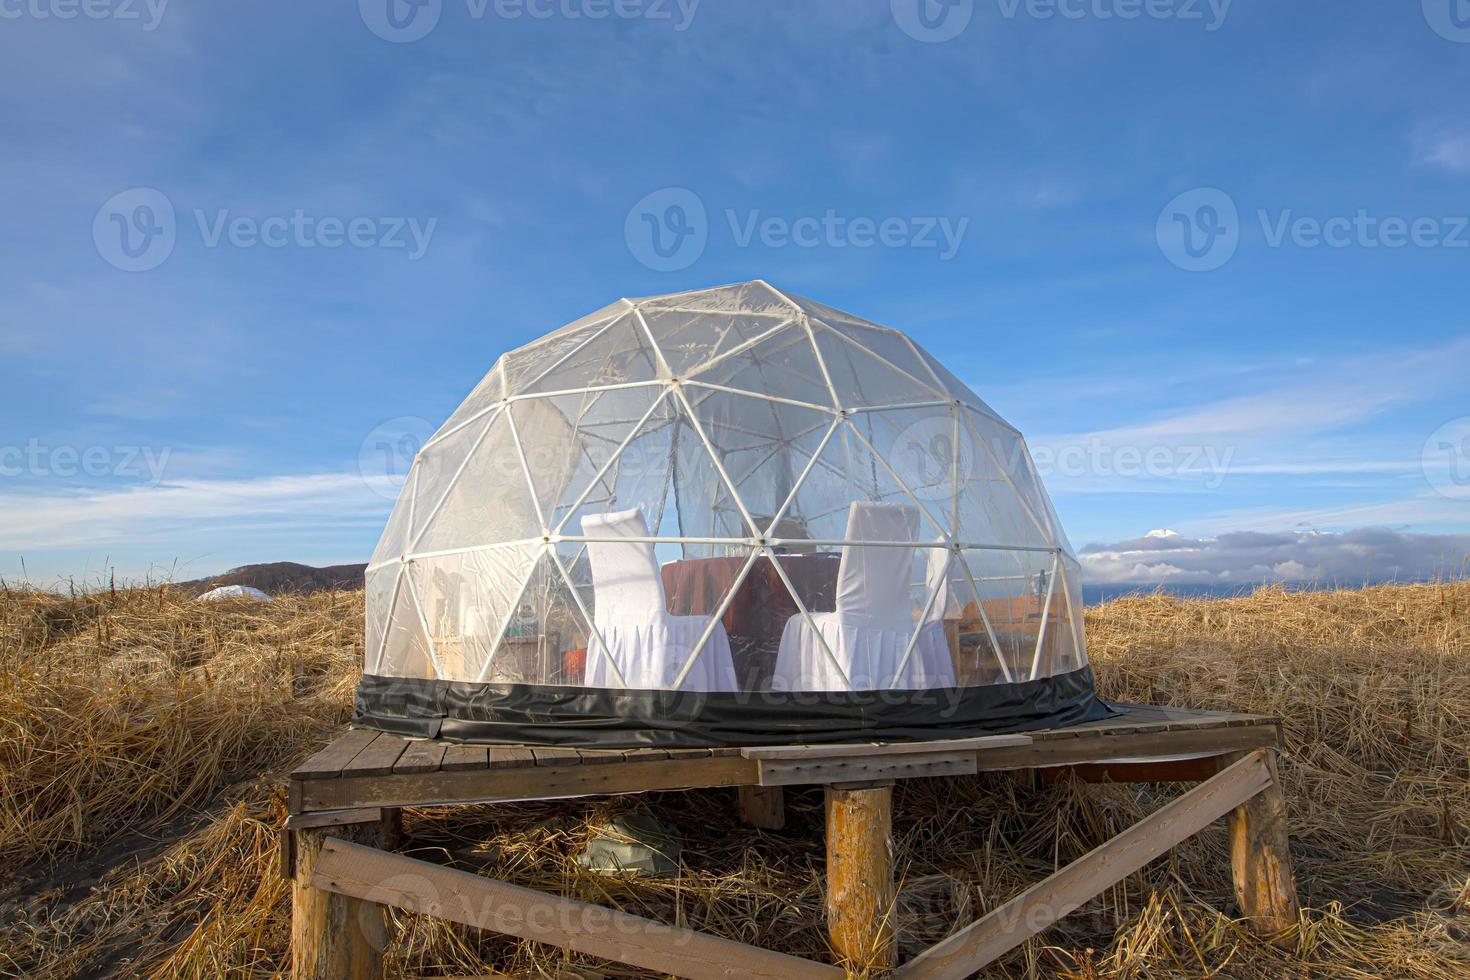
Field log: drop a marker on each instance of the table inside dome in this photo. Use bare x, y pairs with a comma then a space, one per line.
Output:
755, 616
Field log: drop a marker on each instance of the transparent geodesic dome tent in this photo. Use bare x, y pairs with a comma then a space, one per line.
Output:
727, 515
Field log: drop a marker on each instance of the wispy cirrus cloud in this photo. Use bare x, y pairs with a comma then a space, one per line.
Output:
97, 517
1447, 150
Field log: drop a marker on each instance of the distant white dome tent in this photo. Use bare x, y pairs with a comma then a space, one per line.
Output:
732, 515
234, 592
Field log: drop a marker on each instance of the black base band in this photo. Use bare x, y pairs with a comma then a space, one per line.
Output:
601, 718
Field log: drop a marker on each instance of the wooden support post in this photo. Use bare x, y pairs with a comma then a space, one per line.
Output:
763, 806
334, 937
1260, 859
860, 892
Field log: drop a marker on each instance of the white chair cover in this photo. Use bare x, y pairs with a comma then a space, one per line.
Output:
869, 632
649, 646
937, 581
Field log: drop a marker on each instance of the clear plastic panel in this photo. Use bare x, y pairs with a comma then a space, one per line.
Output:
395, 539
741, 297
467, 599
405, 648
617, 353
885, 343
920, 445
690, 342
758, 444
863, 379
379, 585
483, 399
1000, 500
524, 365
570, 441
1005, 601
780, 365
639, 476
480, 499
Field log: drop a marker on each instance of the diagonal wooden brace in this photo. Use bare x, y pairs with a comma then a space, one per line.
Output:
370, 875
1006, 927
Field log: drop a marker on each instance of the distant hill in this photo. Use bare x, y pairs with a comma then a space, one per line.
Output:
281, 577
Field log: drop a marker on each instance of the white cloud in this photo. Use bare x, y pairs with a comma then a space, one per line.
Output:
105, 516
1448, 151
1250, 557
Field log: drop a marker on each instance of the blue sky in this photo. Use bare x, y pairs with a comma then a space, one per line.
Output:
1212, 259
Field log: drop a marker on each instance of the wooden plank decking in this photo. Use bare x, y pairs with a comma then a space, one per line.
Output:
376, 769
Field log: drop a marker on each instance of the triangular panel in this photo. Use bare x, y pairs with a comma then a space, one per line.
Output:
782, 364
405, 648
568, 440
864, 380
469, 599
487, 501
618, 353
524, 365
759, 443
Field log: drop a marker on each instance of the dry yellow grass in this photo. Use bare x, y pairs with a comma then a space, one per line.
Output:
142, 738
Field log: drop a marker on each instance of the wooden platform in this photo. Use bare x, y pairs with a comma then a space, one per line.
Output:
357, 783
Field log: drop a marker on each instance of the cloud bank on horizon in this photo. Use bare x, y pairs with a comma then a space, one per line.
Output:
1356, 557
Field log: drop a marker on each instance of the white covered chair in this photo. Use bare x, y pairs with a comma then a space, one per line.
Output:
649, 646
869, 631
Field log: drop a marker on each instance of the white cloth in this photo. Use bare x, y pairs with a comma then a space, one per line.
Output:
649, 646
869, 632
869, 657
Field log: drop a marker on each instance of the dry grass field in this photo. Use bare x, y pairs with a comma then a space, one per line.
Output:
143, 738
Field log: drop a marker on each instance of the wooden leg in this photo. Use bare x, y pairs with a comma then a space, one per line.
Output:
1260, 860
860, 891
763, 806
334, 937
